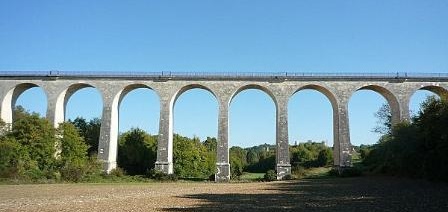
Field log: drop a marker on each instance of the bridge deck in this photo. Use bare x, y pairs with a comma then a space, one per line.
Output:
282, 76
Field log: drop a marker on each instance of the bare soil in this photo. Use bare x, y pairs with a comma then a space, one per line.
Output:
332, 194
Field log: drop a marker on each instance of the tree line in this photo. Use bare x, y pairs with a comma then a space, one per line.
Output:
31, 149
418, 148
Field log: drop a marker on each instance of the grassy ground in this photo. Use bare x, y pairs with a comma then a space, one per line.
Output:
252, 176
320, 172
319, 194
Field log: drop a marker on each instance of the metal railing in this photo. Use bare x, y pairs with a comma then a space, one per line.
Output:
220, 75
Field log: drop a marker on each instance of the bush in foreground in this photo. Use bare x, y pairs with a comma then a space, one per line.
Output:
270, 175
158, 175
346, 172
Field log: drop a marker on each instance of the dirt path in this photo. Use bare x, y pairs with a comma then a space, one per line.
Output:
347, 194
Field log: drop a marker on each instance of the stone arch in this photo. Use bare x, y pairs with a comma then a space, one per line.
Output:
183, 90
118, 98
439, 90
127, 89
211, 114
115, 103
10, 99
64, 96
323, 90
334, 102
189, 87
390, 97
436, 89
278, 138
331, 98
257, 87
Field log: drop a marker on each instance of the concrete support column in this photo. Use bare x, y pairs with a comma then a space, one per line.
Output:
342, 147
282, 153
164, 161
222, 151
107, 147
404, 110
55, 109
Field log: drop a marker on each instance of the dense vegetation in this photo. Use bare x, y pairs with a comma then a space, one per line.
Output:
416, 149
90, 131
260, 159
31, 149
137, 151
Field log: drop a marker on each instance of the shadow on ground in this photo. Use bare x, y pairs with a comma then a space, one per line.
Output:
333, 194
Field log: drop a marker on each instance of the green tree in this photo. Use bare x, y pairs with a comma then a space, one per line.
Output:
37, 136
384, 120
324, 158
210, 144
73, 155
137, 151
191, 158
237, 161
417, 149
311, 154
12, 158
252, 157
90, 131
72, 144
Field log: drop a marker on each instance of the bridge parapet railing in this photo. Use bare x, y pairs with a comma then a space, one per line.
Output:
234, 75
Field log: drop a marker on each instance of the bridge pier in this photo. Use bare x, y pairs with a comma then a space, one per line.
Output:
283, 166
108, 142
342, 148
222, 151
56, 109
164, 161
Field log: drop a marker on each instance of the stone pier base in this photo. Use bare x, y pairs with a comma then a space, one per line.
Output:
164, 167
108, 166
222, 172
283, 170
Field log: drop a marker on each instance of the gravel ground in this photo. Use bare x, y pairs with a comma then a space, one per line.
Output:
334, 194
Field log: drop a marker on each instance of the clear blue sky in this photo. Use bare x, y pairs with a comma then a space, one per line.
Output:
302, 36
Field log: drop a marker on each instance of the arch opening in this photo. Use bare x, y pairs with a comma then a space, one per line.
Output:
422, 94
138, 126
252, 127
254, 87
195, 124
310, 123
33, 100
365, 127
26, 97
82, 106
391, 99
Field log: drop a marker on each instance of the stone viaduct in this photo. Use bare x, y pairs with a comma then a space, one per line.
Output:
396, 88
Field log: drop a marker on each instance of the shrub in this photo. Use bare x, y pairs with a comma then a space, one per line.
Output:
191, 158
288, 177
211, 177
73, 172
137, 151
298, 171
346, 172
117, 172
158, 175
10, 157
324, 158
270, 175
